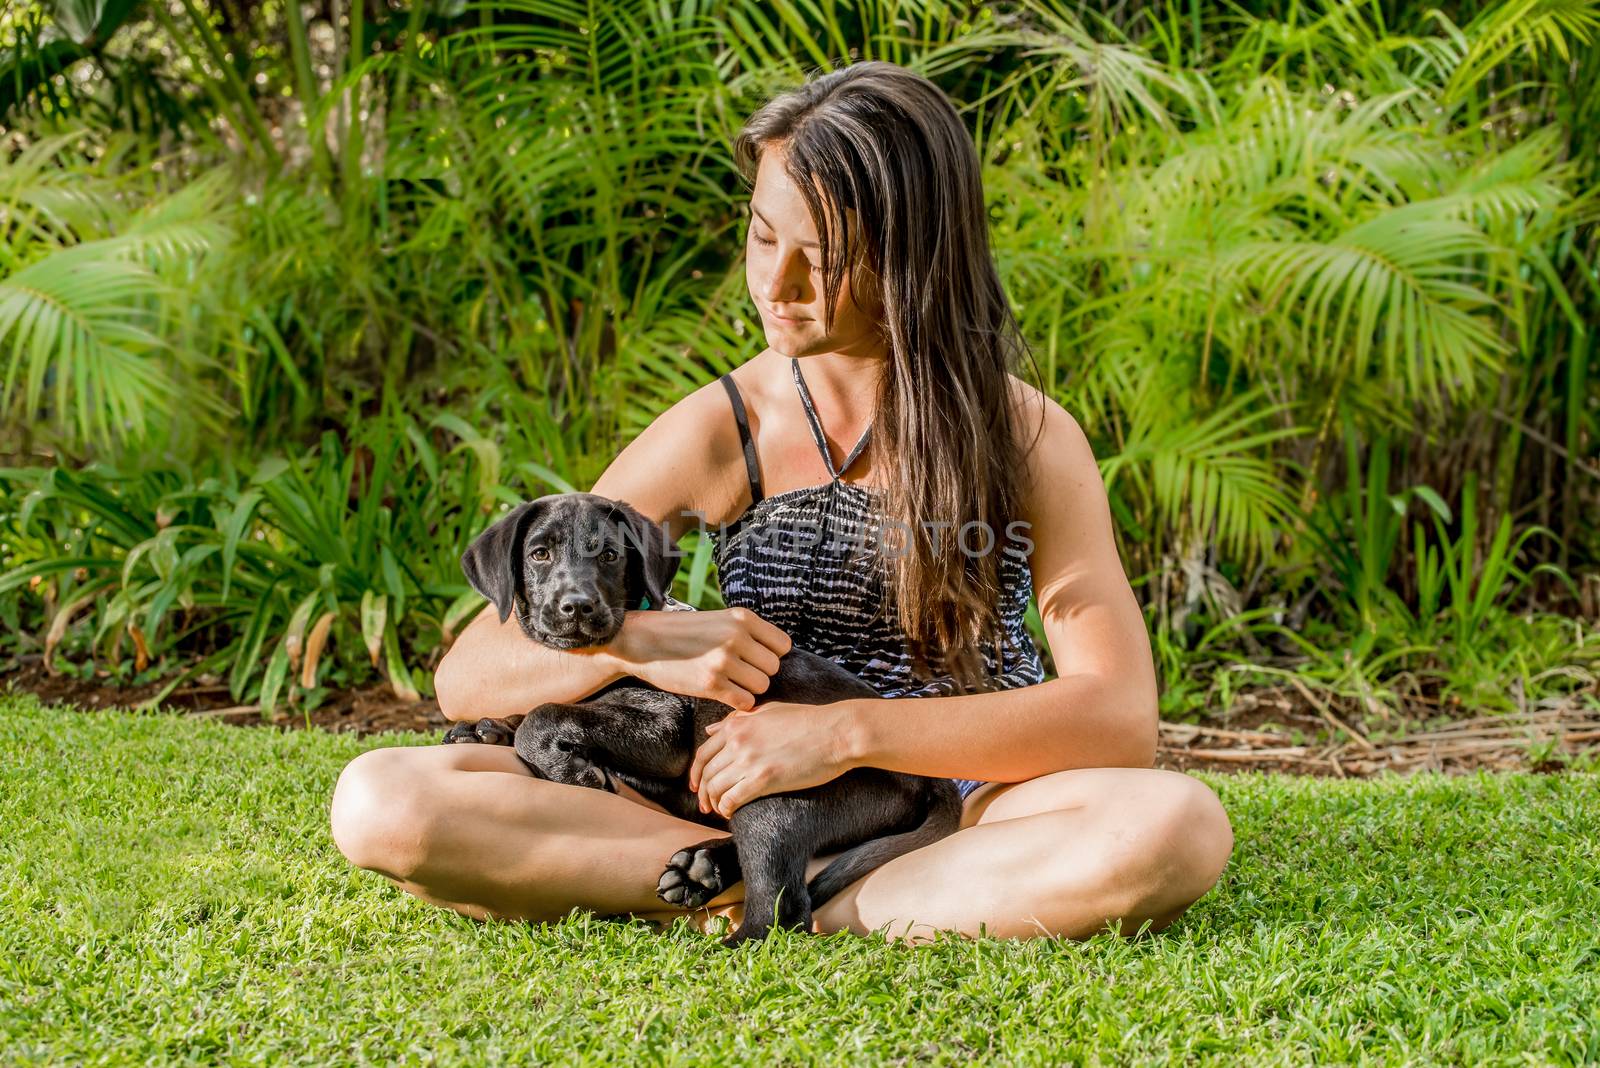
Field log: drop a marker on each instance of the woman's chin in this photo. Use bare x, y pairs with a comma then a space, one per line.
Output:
787, 343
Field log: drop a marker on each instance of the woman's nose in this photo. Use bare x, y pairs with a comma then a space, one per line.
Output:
784, 283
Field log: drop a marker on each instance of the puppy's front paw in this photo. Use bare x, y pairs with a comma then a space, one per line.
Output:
459, 732
561, 753
579, 771
696, 875
484, 731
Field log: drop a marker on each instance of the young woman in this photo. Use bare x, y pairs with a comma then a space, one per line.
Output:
868, 262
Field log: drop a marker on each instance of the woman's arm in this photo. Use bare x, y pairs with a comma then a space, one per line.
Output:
1100, 711
728, 655
494, 671
1004, 736
687, 462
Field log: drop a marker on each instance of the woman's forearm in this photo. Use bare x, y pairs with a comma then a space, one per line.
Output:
494, 671
1005, 735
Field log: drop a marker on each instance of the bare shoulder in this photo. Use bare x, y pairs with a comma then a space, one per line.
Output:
1065, 502
688, 461
1053, 441
1091, 618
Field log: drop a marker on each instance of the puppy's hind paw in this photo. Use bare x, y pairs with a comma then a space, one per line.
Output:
699, 873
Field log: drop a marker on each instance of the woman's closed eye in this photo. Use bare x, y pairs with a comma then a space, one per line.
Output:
764, 241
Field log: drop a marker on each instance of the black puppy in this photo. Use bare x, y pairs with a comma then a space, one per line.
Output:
569, 565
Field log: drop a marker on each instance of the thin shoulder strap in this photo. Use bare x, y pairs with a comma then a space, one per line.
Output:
745, 440
816, 427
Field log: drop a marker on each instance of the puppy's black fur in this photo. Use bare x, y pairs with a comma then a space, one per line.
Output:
569, 566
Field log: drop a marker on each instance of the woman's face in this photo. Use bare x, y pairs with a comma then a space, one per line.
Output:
783, 269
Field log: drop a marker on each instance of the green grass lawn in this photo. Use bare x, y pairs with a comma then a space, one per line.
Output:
169, 892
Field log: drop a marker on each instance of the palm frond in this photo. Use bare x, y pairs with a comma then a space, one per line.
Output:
1403, 286
1209, 476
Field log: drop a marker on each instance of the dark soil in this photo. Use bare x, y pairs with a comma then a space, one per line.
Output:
369, 710
1269, 729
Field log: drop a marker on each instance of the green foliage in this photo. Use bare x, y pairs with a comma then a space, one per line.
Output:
93, 297
370, 534
241, 563
1476, 587
1247, 247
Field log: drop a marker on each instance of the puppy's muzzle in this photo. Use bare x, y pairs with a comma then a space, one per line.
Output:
576, 607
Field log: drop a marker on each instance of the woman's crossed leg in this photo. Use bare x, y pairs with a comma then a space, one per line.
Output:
467, 827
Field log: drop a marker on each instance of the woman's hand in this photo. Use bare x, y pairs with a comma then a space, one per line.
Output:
777, 747
728, 655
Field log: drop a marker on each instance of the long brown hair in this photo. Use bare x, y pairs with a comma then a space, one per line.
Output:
887, 142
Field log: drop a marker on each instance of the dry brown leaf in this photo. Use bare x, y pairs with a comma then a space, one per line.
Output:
141, 651
314, 646
58, 628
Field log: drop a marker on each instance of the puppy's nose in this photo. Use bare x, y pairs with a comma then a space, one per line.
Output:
576, 605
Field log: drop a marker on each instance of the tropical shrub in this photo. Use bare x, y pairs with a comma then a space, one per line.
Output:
1315, 279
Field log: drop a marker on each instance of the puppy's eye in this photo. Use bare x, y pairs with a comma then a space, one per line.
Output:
608, 556
539, 552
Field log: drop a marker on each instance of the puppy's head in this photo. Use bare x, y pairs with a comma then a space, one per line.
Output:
569, 565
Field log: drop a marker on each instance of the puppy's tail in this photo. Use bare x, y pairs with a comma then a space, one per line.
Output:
944, 816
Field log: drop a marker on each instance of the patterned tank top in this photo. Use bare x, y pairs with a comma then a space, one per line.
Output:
796, 559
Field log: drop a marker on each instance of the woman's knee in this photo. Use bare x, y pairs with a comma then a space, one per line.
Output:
381, 817
1178, 851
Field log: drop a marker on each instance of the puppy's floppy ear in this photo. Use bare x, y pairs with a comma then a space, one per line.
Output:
652, 559
493, 562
